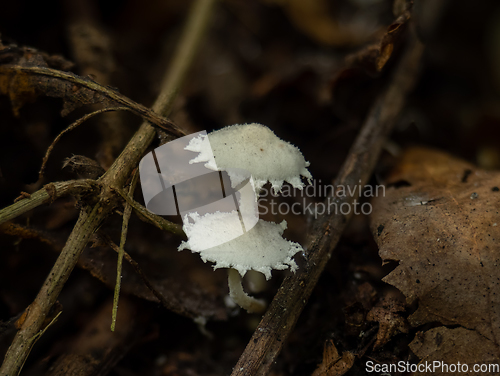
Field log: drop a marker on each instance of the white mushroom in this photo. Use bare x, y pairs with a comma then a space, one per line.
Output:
254, 148
262, 248
238, 239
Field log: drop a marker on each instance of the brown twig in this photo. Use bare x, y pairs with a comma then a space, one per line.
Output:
151, 218
282, 315
171, 305
92, 217
47, 194
126, 217
70, 128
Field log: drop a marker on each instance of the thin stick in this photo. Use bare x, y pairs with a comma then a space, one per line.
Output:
48, 193
37, 336
168, 304
126, 217
282, 315
70, 128
151, 218
91, 218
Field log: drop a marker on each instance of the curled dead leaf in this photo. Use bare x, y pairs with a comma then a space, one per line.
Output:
26, 74
84, 166
334, 364
375, 56
387, 314
439, 220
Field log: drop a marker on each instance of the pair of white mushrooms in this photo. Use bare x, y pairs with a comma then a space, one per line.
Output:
252, 155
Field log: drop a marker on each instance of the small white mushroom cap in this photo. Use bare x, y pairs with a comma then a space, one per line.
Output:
262, 248
254, 148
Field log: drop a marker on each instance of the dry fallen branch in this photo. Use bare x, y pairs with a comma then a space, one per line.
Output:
47, 194
276, 325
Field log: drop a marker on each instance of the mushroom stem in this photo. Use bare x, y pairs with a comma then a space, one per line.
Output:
239, 296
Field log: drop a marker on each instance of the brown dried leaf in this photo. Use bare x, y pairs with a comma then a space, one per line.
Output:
439, 220
355, 87
19, 87
84, 166
374, 57
333, 364
450, 346
389, 319
25, 74
23, 83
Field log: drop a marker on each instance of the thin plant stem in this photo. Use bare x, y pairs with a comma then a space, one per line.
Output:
169, 304
151, 218
126, 217
47, 194
70, 128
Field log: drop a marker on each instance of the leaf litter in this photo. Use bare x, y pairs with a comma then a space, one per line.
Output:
439, 220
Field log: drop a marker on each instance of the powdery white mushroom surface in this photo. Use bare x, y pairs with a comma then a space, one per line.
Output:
239, 240
254, 148
262, 248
